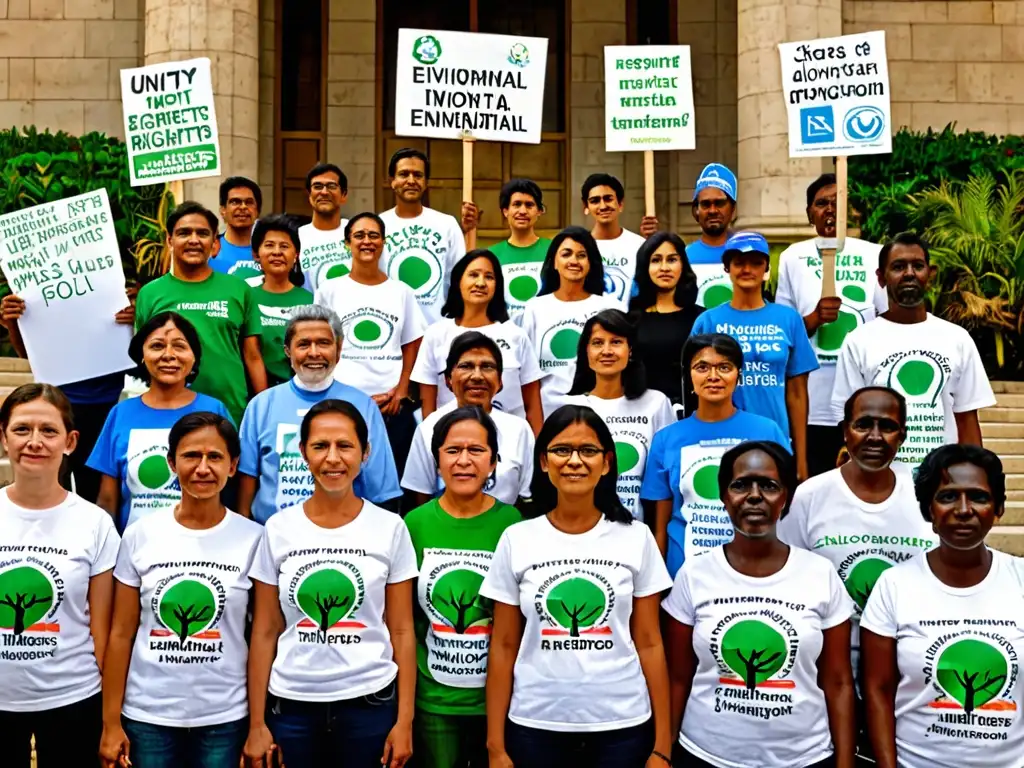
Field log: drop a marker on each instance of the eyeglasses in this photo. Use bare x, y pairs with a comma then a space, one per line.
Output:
703, 369
583, 451
746, 485
237, 202
373, 237
467, 367
330, 186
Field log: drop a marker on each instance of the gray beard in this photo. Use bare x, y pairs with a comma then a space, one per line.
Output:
315, 383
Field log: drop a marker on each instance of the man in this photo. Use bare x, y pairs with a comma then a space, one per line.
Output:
714, 210
473, 374
934, 364
221, 307
324, 253
240, 203
859, 298
422, 244
273, 472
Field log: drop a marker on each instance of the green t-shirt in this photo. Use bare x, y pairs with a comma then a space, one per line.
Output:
223, 311
275, 311
521, 269
453, 623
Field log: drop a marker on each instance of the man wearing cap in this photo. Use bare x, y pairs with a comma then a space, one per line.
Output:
858, 299
777, 355
714, 208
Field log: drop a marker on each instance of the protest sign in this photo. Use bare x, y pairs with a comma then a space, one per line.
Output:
62, 258
170, 125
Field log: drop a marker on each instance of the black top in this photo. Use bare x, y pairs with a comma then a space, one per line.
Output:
660, 339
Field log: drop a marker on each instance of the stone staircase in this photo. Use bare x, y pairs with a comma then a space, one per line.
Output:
1002, 429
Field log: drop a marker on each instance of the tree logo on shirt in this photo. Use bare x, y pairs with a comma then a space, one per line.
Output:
189, 605
560, 342
414, 258
626, 455
368, 329
522, 288
576, 603
705, 482
754, 650
329, 594
454, 597
918, 374
335, 270
28, 594
830, 337
861, 579
154, 471
714, 292
972, 672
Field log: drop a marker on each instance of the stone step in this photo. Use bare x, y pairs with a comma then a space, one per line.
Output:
1005, 446
1008, 387
1011, 464
14, 365
15, 379
1010, 400
1013, 515
1015, 482
1001, 415
1014, 495
992, 430
1009, 538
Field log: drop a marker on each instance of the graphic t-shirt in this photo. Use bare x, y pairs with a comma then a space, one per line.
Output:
934, 365
47, 657
518, 358
619, 257
861, 540
224, 311
188, 662
775, 348
521, 269
331, 583
755, 699
421, 252
237, 260
270, 448
960, 692
713, 284
275, 312
132, 448
577, 668
682, 465
378, 320
553, 328
453, 622
863, 298
633, 424
324, 254
511, 478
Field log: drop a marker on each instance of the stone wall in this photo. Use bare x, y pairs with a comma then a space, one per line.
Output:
268, 95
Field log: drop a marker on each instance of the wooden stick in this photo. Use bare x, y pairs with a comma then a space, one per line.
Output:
828, 272
467, 183
177, 188
841, 202
650, 209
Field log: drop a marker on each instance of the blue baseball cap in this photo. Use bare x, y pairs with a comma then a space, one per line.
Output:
717, 176
745, 242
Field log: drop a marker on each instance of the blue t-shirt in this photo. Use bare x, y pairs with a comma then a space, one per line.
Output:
235, 260
270, 448
699, 252
775, 348
132, 448
683, 466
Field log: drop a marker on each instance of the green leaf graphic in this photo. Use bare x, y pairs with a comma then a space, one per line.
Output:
626, 456
705, 482
523, 288
414, 272
26, 596
326, 596
154, 472
915, 377
456, 596
576, 603
863, 577
564, 343
972, 672
188, 608
716, 295
753, 650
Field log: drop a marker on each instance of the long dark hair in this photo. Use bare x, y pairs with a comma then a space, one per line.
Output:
550, 280
634, 376
455, 306
647, 292
606, 497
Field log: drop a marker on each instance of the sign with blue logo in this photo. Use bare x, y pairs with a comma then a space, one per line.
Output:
837, 96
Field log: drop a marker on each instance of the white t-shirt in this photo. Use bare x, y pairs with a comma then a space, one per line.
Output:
934, 364
421, 252
188, 663
861, 540
331, 584
48, 556
324, 254
619, 257
553, 328
755, 700
378, 320
577, 668
960, 693
512, 477
518, 358
633, 424
863, 298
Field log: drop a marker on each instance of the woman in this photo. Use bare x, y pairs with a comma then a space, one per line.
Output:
942, 634
332, 618
612, 380
477, 302
383, 325
572, 290
174, 678
454, 537
665, 307
576, 674
131, 453
682, 465
275, 246
759, 636
55, 590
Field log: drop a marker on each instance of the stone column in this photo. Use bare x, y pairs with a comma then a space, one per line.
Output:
772, 187
226, 32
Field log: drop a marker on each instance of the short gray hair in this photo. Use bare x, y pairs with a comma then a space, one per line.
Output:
313, 313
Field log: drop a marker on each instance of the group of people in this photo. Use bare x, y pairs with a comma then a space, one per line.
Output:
625, 533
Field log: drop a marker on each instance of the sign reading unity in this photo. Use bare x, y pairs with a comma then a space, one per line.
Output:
62, 258
450, 84
170, 125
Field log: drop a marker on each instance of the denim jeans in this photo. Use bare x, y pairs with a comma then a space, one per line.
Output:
65, 736
683, 759
319, 734
621, 748
165, 746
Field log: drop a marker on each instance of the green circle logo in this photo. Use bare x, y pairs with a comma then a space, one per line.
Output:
754, 651
426, 49
154, 471
971, 672
716, 295
626, 456
523, 288
564, 343
456, 597
915, 377
831, 335
26, 596
336, 270
414, 272
863, 577
705, 482
576, 603
188, 608
854, 293
326, 596
366, 331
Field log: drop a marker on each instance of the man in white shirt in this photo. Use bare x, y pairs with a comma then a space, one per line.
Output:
933, 363
324, 253
859, 299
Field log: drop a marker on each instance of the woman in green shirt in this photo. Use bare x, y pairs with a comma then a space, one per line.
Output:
275, 247
454, 537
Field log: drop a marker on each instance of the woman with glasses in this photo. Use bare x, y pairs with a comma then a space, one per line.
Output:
576, 674
682, 468
759, 635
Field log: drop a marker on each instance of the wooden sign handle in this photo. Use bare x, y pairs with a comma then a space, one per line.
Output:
467, 183
649, 207
177, 189
828, 272
841, 202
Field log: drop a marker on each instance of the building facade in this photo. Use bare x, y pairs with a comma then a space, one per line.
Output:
304, 80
